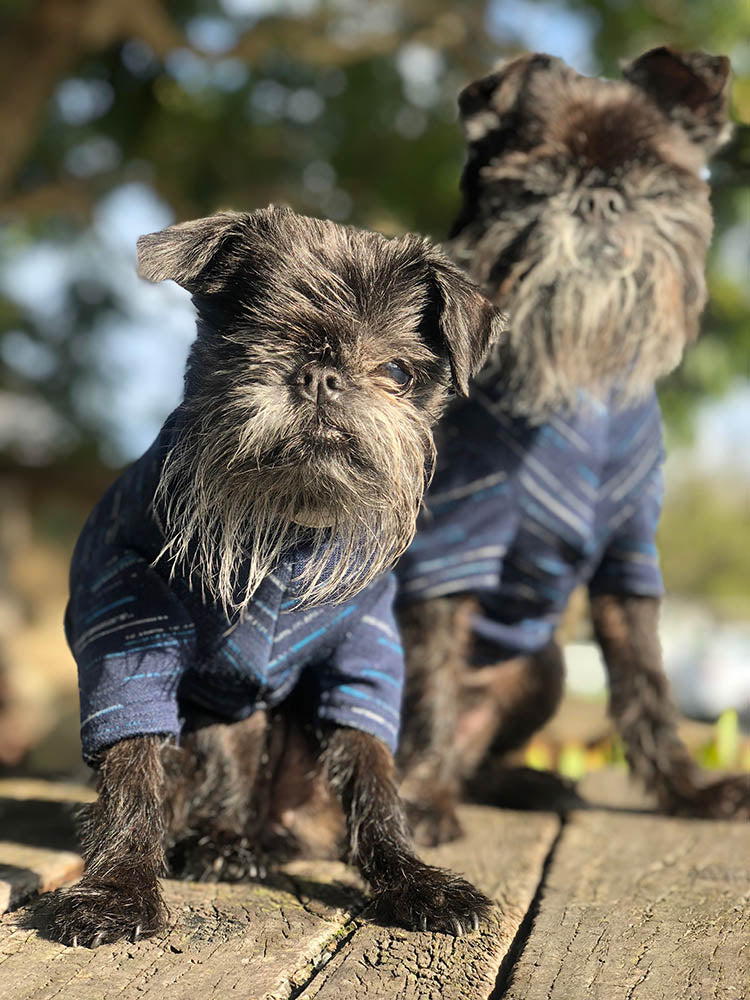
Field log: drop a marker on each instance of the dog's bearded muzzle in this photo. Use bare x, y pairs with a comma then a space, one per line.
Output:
603, 308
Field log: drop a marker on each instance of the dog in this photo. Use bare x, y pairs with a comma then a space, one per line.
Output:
241, 565
586, 217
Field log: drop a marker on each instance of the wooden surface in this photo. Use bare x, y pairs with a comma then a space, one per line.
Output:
504, 855
613, 903
640, 907
37, 837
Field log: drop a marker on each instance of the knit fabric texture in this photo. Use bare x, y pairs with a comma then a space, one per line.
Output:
154, 654
520, 513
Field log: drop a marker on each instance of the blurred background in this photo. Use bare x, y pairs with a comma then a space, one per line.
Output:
118, 117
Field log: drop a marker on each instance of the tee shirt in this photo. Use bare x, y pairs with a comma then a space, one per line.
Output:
154, 654
520, 513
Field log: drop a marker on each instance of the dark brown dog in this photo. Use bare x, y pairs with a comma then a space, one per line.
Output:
586, 217
243, 558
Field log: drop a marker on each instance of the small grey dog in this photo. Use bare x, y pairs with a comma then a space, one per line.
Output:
232, 584
586, 216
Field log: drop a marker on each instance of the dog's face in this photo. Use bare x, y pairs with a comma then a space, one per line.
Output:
324, 355
586, 217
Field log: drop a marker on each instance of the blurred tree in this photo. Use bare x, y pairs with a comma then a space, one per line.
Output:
343, 108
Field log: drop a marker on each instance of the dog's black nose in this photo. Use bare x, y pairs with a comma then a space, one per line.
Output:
320, 382
600, 205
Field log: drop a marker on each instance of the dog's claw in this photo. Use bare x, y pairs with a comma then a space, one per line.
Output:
74, 942
97, 939
434, 900
136, 933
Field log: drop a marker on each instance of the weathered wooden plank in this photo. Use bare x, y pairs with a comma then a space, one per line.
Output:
26, 870
298, 935
504, 854
637, 906
38, 816
249, 941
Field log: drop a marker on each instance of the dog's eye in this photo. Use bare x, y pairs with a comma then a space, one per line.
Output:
397, 375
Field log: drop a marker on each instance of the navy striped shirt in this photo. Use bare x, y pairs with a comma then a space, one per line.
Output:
519, 514
153, 655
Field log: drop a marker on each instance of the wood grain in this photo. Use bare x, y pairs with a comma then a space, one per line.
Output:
504, 854
637, 906
302, 934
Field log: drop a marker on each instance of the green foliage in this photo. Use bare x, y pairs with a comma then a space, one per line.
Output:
704, 544
727, 749
723, 751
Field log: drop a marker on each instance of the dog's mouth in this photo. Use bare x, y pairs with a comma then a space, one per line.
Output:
313, 445
604, 243
326, 434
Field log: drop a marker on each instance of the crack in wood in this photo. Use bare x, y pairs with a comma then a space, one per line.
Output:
324, 957
517, 945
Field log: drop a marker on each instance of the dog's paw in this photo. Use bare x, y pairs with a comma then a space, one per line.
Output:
93, 913
726, 798
433, 899
433, 823
204, 859
523, 788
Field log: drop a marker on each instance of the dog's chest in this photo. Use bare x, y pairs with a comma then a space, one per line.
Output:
273, 642
527, 511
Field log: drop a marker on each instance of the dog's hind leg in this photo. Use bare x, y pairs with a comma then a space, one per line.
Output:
626, 628
436, 641
123, 840
220, 791
503, 705
407, 891
463, 711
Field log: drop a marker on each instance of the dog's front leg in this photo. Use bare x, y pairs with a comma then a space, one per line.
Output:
407, 891
123, 837
626, 628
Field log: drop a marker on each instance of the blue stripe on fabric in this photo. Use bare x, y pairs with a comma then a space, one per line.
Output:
151, 673
588, 475
264, 607
108, 607
382, 641
241, 664
102, 711
381, 676
142, 649
365, 696
179, 634
485, 567
113, 570
310, 638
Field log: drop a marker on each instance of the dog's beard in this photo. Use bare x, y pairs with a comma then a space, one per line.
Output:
234, 501
601, 313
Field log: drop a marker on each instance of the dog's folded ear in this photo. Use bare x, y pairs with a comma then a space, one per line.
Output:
691, 88
469, 324
483, 104
186, 252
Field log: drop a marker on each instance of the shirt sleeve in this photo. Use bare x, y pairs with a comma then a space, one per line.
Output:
362, 684
630, 562
132, 640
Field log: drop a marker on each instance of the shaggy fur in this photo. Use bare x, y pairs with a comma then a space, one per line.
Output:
324, 354
257, 463
586, 217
